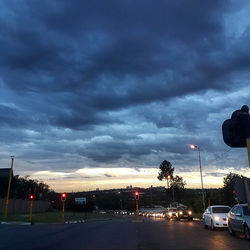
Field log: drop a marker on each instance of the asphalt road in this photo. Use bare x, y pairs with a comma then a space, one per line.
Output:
121, 234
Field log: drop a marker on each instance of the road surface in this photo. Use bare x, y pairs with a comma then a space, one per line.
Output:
120, 234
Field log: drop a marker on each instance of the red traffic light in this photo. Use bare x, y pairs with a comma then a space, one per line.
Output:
136, 195
63, 196
234, 192
31, 197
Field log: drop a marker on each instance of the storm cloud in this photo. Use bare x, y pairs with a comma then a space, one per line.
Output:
121, 83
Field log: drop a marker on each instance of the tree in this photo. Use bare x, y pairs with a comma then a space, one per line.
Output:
178, 183
228, 188
177, 186
21, 187
166, 171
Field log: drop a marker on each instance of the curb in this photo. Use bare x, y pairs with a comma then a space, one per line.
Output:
16, 223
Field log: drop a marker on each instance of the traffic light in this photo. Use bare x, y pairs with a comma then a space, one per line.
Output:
136, 195
237, 129
31, 197
241, 190
235, 196
63, 197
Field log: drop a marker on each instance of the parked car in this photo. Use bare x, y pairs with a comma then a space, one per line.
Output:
216, 216
184, 213
239, 220
171, 213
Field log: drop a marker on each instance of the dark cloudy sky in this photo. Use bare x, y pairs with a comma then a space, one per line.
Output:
98, 93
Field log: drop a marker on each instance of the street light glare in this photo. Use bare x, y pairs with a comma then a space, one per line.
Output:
192, 146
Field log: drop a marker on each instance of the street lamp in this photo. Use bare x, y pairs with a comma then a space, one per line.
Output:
171, 178
199, 152
119, 192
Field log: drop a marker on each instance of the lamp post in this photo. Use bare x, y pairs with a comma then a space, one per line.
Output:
120, 193
199, 153
171, 178
8, 192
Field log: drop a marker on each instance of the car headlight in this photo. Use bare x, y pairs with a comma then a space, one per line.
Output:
217, 218
180, 213
170, 214
189, 212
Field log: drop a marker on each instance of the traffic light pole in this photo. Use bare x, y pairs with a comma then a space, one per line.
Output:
136, 208
31, 204
63, 206
248, 149
8, 193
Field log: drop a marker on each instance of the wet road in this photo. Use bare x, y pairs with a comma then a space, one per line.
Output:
119, 234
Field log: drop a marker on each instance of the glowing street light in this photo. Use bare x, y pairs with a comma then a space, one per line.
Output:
192, 146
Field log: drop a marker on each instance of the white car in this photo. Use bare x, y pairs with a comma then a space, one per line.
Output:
216, 216
123, 212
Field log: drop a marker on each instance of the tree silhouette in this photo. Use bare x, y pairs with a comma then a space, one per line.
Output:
178, 183
166, 171
228, 188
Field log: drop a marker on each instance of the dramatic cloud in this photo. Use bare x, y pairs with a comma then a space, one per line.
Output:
119, 84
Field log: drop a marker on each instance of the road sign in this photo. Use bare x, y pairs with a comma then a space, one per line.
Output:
80, 200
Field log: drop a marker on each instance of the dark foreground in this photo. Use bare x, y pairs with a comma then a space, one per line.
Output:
119, 234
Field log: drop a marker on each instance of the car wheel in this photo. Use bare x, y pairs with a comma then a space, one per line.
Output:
230, 229
212, 225
205, 225
246, 232
190, 219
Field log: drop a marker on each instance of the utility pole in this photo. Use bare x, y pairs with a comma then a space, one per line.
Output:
8, 193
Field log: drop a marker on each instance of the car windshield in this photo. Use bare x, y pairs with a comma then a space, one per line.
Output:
245, 210
172, 210
220, 210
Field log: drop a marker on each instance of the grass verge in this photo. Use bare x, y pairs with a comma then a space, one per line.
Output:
56, 216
